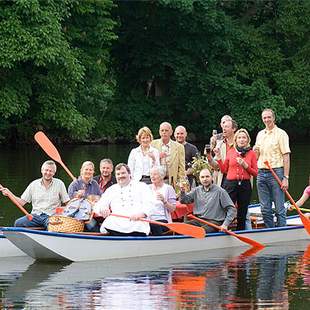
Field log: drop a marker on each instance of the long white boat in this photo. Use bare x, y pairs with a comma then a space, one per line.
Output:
51, 246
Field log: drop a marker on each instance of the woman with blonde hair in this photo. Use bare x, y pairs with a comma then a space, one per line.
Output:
85, 185
144, 157
240, 165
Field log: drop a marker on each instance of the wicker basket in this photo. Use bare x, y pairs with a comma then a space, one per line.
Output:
59, 223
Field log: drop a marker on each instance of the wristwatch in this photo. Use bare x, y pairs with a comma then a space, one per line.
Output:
286, 176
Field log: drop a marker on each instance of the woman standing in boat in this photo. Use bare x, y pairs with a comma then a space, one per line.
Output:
144, 157
165, 200
240, 165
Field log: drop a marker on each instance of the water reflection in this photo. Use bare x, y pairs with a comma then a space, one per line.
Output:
224, 279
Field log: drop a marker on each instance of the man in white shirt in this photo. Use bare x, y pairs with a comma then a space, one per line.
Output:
128, 198
45, 195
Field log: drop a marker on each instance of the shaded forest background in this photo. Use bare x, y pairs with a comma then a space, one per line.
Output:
85, 70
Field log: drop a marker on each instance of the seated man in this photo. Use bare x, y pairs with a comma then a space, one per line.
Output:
106, 178
129, 198
45, 194
211, 202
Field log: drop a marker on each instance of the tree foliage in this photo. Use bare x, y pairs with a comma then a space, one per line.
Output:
103, 69
48, 49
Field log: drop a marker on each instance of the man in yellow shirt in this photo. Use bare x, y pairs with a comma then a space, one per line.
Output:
272, 144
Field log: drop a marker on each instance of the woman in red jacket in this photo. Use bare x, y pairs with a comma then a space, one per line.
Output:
240, 165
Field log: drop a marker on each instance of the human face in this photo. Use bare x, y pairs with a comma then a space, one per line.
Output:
180, 134
224, 119
48, 171
205, 178
268, 119
155, 177
145, 140
122, 176
87, 172
165, 132
227, 129
106, 169
242, 139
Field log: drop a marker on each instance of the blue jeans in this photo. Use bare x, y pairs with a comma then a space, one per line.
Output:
37, 221
269, 191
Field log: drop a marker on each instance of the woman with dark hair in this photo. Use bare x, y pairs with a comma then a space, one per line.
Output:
240, 165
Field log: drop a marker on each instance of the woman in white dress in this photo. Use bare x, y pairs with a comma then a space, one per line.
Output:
144, 157
165, 200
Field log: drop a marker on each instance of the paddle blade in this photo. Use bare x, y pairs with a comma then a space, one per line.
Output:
305, 221
241, 238
187, 229
246, 240
47, 146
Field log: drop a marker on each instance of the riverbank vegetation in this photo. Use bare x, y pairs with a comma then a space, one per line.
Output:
99, 70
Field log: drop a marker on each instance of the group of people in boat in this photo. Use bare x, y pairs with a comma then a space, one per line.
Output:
145, 187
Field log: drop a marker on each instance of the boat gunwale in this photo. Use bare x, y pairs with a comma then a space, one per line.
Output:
139, 238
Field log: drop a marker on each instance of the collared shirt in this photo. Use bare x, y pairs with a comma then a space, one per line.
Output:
45, 200
212, 204
272, 145
136, 197
166, 148
141, 164
91, 188
104, 186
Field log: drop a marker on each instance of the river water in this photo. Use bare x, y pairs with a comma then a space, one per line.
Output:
277, 277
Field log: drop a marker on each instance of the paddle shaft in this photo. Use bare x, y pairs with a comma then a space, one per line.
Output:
180, 228
49, 148
303, 218
241, 238
17, 204
304, 209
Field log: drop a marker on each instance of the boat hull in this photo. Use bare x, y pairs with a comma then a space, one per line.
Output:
8, 249
43, 245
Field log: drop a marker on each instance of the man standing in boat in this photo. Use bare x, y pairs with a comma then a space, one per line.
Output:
272, 145
211, 202
191, 151
229, 127
127, 198
172, 154
45, 195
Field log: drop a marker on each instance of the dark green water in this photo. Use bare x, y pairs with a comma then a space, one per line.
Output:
275, 278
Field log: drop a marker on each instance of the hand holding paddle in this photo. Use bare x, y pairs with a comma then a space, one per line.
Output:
8, 193
303, 218
180, 228
49, 148
241, 238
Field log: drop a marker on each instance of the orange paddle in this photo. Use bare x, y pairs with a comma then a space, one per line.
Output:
49, 148
17, 204
180, 228
303, 218
241, 238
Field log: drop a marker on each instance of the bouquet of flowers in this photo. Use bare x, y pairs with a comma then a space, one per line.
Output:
200, 162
